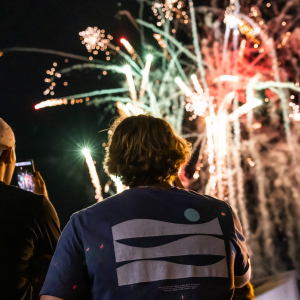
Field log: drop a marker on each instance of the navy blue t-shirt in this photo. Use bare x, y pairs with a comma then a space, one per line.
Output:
149, 243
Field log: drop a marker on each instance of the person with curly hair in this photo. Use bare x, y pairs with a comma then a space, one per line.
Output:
153, 240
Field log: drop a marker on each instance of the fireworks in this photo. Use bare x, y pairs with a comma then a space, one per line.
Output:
211, 155
118, 184
50, 102
196, 102
93, 173
129, 48
135, 111
94, 38
169, 10
228, 78
183, 87
145, 75
197, 85
232, 21
127, 71
244, 109
242, 49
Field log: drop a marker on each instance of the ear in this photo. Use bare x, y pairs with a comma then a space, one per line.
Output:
6, 156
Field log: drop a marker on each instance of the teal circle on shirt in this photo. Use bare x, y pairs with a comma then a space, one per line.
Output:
192, 215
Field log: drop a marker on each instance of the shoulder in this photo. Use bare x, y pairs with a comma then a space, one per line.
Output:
222, 203
210, 200
103, 208
15, 198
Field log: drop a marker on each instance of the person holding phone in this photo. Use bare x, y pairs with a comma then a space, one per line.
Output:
153, 240
29, 228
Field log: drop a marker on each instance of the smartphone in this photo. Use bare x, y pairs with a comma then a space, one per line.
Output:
25, 172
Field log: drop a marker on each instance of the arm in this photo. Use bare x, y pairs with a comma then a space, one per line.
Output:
242, 267
240, 281
67, 276
47, 233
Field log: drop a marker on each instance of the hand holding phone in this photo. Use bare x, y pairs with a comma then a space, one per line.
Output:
25, 172
39, 185
30, 180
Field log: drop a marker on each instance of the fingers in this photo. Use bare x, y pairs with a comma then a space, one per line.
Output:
39, 185
39, 177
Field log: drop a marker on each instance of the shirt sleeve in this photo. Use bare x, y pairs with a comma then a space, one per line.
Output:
241, 264
67, 277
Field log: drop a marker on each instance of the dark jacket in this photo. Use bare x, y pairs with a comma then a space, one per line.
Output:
29, 231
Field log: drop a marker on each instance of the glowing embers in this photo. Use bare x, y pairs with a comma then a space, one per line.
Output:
94, 38
51, 102
50, 80
169, 9
256, 125
284, 40
295, 115
160, 41
197, 103
244, 109
250, 162
93, 173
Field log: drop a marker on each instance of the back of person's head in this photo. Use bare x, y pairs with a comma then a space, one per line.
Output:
7, 137
145, 150
7, 154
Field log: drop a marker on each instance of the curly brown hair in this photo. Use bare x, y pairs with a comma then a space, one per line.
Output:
145, 150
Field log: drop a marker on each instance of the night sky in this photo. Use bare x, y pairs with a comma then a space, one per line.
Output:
53, 137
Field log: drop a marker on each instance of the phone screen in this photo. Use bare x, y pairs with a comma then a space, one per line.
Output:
25, 173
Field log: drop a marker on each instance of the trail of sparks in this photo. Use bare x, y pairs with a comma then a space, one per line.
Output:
197, 85
211, 156
221, 158
183, 87
244, 109
145, 75
93, 174
241, 50
118, 184
51, 102
227, 78
129, 48
135, 110
130, 82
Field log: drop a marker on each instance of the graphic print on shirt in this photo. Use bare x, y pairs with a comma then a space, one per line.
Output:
147, 264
